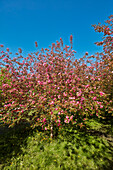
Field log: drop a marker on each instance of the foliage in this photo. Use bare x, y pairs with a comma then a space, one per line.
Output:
3, 77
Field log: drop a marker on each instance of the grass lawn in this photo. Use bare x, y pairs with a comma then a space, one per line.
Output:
22, 148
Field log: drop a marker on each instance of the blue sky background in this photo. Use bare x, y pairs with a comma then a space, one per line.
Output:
22, 22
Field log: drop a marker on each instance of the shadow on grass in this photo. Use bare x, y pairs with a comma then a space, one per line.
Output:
11, 141
91, 144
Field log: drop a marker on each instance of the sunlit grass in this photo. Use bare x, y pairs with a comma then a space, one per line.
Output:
92, 148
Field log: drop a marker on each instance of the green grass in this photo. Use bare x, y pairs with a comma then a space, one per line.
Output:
22, 148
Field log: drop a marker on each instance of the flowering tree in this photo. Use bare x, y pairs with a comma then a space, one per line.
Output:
104, 69
52, 87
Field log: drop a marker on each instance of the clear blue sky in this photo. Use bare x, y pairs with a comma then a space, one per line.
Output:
22, 22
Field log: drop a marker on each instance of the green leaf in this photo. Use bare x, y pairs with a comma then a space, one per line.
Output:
31, 113
55, 112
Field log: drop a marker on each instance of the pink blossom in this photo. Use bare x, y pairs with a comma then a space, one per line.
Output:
87, 85
45, 128
71, 98
20, 105
92, 78
79, 94
64, 94
44, 64
9, 104
1, 45
58, 96
4, 59
67, 117
59, 120
78, 102
5, 106
44, 120
98, 102
86, 53
5, 85
101, 93
51, 112
52, 103
82, 98
71, 117
68, 121
49, 81
78, 79
65, 121
33, 102
94, 98
91, 91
